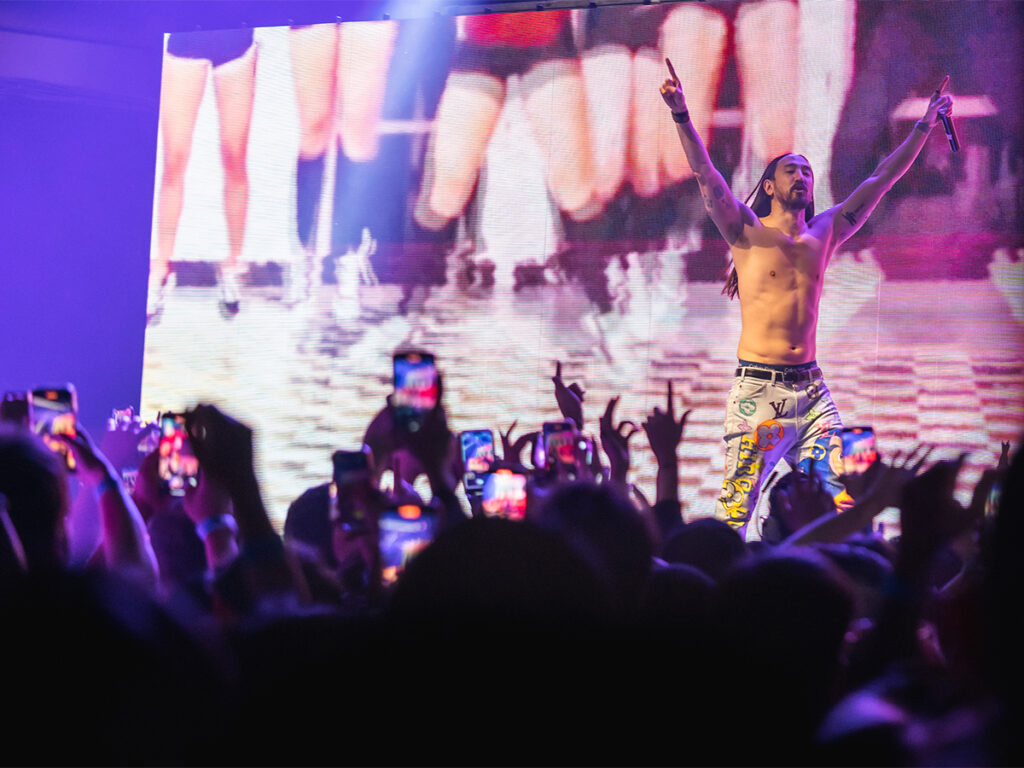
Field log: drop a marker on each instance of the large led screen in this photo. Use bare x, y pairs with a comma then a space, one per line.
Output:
507, 191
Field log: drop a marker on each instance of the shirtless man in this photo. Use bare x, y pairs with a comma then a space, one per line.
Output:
779, 406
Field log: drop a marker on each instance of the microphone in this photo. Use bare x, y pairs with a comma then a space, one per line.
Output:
947, 124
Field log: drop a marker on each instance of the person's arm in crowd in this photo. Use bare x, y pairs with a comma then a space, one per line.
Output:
432, 445
1004, 457
659, 519
930, 517
379, 436
208, 506
148, 492
126, 547
615, 443
12, 553
880, 488
224, 449
984, 505
569, 398
664, 433
512, 450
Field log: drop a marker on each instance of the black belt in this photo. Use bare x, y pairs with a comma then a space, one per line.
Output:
787, 377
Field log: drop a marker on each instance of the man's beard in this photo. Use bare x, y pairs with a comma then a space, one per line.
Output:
796, 202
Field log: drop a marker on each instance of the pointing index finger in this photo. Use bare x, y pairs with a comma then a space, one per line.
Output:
610, 408
671, 407
672, 71
941, 88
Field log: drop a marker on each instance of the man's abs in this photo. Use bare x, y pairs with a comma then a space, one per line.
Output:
772, 351
779, 310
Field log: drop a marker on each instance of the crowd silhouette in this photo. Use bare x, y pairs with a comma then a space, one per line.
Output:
607, 625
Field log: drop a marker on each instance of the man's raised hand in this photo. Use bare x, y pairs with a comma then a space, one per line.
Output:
671, 91
940, 103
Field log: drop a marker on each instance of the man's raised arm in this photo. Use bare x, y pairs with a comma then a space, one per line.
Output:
851, 214
728, 213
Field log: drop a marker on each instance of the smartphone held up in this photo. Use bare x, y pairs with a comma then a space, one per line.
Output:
54, 411
859, 451
350, 489
178, 466
477, 446
504, 494
416, 391
405, 531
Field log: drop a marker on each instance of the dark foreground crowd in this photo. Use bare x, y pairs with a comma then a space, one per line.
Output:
600, 629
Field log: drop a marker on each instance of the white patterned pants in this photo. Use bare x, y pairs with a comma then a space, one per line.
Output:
768, 419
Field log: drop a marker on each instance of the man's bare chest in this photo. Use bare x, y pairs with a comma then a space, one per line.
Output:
774, 254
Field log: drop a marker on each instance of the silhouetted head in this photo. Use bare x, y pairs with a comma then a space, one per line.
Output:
603, 526
33, 482
491, 570
783, 617
707, 544
677, 595
866, 572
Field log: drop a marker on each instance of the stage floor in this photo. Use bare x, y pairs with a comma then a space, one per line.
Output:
309, 378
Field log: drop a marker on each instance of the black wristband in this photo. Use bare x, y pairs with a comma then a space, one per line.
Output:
923, 127
681, 117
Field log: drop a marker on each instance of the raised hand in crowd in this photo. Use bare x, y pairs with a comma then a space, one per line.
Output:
433, 446
12, 553
512, 450
148, 493
795, 500
224, 449
356, 505
379, 436
884, 482
879, 487
664, 433
1004, 455
208, 506
930, 516
125, 544
615, 443
569, 398
403, 491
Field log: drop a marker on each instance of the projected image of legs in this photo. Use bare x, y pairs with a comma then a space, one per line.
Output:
191, 58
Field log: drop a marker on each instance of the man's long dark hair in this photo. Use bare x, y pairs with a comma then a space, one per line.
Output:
762, 206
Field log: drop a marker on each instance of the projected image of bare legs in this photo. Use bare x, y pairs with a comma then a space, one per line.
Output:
313, 59
340, 76
233, 85
184, 81
190, 59
536, 58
